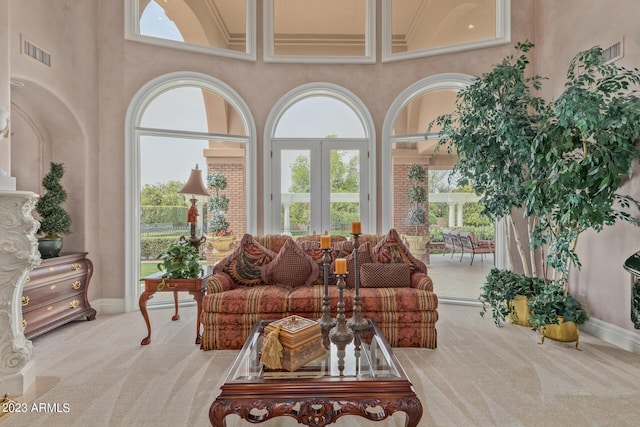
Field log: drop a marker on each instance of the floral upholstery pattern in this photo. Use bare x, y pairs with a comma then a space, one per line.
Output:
391, 249
312, 249
273, 242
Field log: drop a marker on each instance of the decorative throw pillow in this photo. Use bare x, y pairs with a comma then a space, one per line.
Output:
364, 257
313, 250
376, 275
341, 249
246, 262
291, 267
391, 249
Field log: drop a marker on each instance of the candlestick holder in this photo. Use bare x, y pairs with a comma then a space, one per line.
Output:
341, 333
357, 322
326, 321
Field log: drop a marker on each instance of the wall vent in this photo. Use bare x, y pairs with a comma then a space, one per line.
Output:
613, 52
36, 53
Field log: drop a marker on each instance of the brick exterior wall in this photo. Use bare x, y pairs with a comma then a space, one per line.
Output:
236, 193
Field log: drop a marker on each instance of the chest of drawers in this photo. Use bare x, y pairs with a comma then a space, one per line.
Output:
55, 293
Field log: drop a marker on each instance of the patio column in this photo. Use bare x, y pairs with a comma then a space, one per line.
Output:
452, 214
459, 206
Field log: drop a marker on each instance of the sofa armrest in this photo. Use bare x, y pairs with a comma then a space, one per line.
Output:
219, 282
421, 281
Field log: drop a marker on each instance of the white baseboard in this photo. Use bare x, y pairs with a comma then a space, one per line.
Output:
620, 337
108, 305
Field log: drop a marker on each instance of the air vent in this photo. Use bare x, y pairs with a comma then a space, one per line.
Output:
36, 53
613, 52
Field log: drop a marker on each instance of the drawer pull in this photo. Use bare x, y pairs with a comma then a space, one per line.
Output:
50, 308
52, 268
25, 301
76, 266
76, 284
28, 279
74, 304
52, 287
24, 323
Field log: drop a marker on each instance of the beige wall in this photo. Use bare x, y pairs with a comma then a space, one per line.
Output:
95, 73
563, 29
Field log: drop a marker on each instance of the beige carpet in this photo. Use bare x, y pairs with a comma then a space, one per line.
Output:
478, 376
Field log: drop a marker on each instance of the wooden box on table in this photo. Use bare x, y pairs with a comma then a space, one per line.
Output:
301, 340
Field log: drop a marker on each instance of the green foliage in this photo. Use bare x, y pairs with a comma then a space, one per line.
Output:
152, 247
552, 302
417, 196
562, 162
502, 286
54, 219
162, 194
180, 260
218, 205
344, 178
163, 214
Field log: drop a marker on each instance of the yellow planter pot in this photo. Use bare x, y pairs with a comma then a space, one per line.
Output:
222, 243
563, 332
520, 312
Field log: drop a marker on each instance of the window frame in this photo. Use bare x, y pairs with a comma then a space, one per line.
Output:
132, 32
370, 41
503, 35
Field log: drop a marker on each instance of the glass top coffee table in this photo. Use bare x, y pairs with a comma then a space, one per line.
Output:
361, 378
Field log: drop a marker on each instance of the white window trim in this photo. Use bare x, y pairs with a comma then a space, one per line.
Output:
290, 98
454, 81
503, 35
370, 41
139, 102
132, 32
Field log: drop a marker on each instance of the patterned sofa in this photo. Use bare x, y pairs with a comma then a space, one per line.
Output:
274, 276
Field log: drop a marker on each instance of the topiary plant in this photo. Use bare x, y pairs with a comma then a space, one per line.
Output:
219, 205
54, 219
417, 214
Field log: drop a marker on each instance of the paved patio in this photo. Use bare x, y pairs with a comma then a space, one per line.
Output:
453, 278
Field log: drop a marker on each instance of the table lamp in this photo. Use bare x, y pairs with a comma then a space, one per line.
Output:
194, 187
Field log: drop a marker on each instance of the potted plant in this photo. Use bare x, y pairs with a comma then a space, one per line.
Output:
222, 239
556, 315
54, 219
417, 213
507, 294
561, 162
180, 261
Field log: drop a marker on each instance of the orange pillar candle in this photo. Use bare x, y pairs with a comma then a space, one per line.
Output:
341, 266
356, 227
325, 241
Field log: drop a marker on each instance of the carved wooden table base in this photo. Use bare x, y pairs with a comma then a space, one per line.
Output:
316, 412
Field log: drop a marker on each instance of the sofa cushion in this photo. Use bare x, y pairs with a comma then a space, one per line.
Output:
391, 249
394, 300
376, 275
291, 267
307, 300
239, 302
273, 242
244, 264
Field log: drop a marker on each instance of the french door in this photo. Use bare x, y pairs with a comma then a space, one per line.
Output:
319, 185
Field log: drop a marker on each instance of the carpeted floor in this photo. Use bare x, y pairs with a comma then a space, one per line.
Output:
479, 376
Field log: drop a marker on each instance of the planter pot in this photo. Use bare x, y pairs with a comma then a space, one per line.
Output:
50, 248
563, 332
519, 311
222, 243
417, 244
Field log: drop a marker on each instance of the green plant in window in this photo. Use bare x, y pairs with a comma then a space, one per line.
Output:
218, 205
417, 197
180, 261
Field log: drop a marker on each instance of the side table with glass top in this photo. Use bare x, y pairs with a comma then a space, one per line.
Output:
361, 378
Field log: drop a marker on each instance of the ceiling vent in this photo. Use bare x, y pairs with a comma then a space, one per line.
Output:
35, 52
613, 52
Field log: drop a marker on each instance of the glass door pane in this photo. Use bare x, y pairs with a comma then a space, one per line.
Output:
292, 177
344, 187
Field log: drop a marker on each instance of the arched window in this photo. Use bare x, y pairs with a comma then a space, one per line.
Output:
319, 162
174, 123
